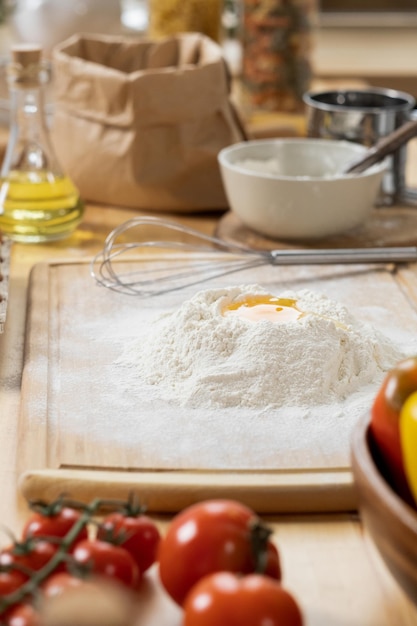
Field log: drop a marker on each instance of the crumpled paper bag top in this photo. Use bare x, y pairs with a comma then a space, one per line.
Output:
139, 123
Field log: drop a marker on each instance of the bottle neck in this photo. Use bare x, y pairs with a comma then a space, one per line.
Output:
27, 111
26, 78
29, 148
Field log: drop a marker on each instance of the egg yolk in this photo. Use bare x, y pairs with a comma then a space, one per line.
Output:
264, 307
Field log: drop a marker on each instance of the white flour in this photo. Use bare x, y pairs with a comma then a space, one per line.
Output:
196, 357
278, 167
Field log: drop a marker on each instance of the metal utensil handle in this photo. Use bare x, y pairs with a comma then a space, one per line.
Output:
345, 255
386, 145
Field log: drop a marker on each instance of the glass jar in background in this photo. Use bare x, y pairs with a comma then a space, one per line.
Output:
277, 43
38, 202
168, 17
231, 39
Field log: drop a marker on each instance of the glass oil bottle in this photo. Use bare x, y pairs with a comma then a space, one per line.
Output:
38, 202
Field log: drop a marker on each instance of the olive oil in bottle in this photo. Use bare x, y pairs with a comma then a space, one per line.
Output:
38, 202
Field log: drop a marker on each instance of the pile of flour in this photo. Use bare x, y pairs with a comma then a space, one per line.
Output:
199, 358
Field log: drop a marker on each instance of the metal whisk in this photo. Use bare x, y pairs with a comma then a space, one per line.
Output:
177, 271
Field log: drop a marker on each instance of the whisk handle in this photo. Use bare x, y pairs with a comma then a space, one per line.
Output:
402, 254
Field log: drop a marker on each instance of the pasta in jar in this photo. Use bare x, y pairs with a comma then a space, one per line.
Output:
168, 17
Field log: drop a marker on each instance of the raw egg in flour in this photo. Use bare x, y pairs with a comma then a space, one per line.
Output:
257, 307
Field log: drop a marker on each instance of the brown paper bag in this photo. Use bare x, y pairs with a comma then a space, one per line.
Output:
140, 123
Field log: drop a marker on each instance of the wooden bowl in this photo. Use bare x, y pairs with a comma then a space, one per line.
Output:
390, 521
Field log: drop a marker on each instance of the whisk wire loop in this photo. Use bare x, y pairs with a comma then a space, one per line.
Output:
178, 268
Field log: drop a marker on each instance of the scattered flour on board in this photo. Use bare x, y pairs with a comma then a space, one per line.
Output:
197, 357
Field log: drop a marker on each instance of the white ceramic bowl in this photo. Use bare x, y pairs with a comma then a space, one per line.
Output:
293, 188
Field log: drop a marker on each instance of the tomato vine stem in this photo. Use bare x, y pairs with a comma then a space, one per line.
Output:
259, 537
31, 587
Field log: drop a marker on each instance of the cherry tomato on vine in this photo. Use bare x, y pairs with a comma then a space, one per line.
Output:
22, 615
105, 559
136, 534
31, 555
212, 536
398, 384
10, 580
224, 599
53, 521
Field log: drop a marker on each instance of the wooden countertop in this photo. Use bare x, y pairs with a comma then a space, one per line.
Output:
329, 562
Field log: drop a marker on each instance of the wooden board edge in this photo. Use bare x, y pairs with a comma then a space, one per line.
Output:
29, 433
170, 492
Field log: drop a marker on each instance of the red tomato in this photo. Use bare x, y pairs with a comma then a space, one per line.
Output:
224, 599
108, 560
31, 555
56, 524
10, 580
138, 535
399, 383
22, 615
212, 536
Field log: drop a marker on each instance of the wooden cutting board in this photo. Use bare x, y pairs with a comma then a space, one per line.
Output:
84, 432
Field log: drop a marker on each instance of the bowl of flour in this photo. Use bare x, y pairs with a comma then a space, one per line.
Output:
295, 188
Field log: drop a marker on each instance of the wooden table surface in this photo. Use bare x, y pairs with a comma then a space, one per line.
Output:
329, 562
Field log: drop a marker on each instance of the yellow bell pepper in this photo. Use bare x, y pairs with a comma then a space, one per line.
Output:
408, 439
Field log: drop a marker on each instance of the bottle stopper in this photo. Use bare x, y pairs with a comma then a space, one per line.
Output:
27, 68
26, 54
